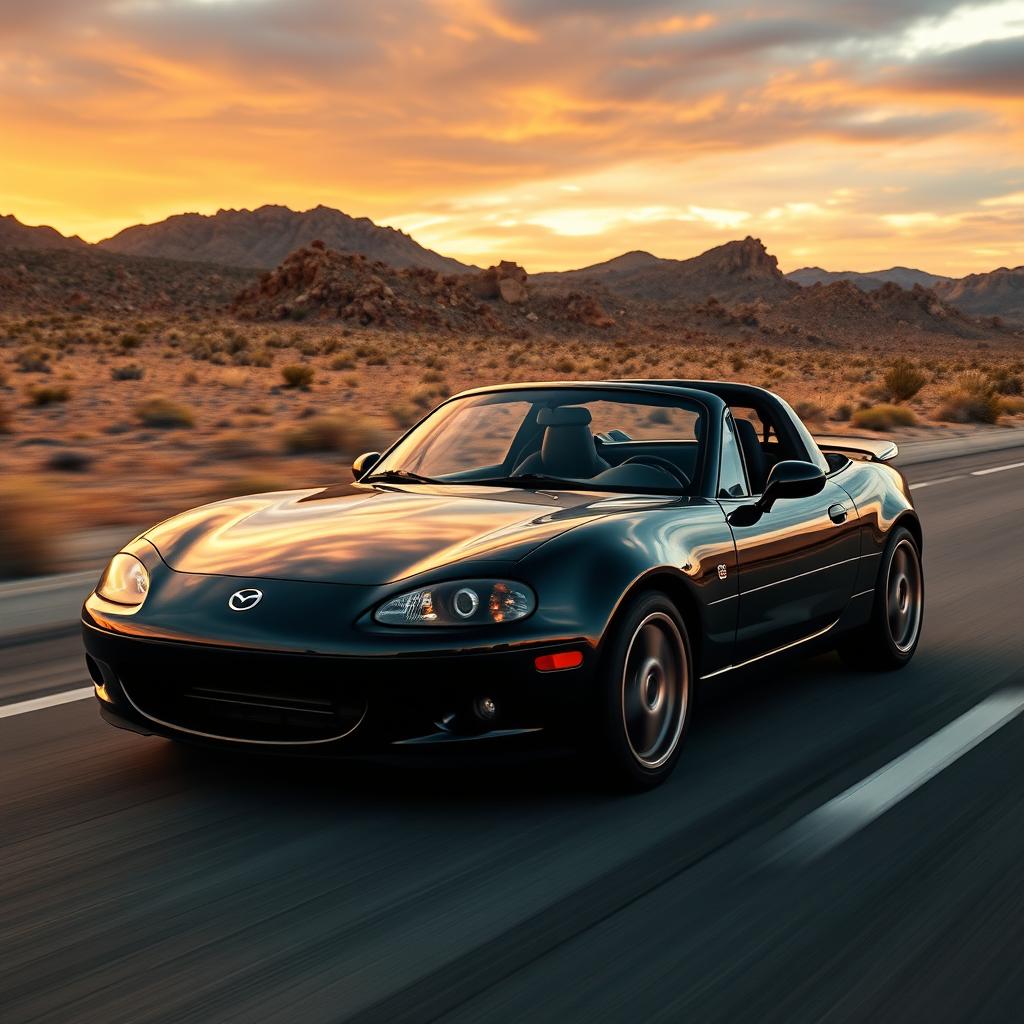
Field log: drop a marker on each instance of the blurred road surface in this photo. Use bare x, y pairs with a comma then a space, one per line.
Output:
142, 882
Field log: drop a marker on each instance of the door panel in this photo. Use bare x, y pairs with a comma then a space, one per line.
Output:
797, 567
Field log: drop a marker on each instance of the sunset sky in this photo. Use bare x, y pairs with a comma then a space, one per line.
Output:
854, 135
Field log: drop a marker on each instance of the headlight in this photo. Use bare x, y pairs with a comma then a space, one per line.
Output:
467, 603
125, 581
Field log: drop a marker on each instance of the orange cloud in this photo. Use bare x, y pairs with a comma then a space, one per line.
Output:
557, 132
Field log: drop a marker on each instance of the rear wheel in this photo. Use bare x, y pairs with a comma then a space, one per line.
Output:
645, 694
890, 639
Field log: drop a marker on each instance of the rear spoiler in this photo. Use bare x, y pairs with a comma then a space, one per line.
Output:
874, 449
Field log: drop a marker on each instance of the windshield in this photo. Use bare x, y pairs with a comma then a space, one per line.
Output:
574, 438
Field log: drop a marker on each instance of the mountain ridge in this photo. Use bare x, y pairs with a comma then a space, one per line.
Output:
263, 238
905, 277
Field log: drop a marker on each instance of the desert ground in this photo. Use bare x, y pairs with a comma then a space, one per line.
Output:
108, 423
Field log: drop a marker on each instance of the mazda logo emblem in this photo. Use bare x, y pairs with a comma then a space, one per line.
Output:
245, 600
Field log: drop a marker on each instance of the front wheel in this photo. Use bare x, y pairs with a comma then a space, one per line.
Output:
890, 639
645, 694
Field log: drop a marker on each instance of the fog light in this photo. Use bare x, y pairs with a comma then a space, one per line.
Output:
486, 708
558, 662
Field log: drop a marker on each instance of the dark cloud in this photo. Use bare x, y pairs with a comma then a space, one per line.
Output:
991, 69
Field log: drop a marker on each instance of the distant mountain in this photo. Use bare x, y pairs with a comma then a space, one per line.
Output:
739, 271
997, 293
905, 277
15, 235
264, 237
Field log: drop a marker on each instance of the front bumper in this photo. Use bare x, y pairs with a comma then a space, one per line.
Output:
328, 704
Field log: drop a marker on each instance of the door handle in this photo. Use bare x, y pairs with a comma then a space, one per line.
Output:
837, 513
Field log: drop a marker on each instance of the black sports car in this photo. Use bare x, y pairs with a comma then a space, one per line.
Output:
568, 557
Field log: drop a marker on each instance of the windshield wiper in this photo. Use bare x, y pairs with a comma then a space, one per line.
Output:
398, 476
533, 480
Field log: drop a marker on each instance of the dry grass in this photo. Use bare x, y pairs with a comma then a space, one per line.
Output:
26, 539
884, 416
298, 375
903, 380
972, 400
345, 434
164, 413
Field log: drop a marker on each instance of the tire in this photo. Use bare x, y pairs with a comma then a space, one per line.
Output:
890, 638
644, 695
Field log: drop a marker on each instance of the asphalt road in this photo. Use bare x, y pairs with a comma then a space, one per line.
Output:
765, 881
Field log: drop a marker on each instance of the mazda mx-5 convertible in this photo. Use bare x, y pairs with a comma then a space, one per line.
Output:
570, 560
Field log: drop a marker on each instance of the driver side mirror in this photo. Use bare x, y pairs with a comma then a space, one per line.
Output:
791, 478
364, 463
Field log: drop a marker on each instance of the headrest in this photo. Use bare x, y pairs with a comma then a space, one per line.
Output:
564, 416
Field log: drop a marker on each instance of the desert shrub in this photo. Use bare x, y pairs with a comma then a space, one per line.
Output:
972, 399
842, 412
49, 394
1012, 405
253, 357
404, 414
130, 341
130, 371
27, 537
809, 412
903, 380
737, 362
432, 376
343, 362
884, 417
563, 365
6, 422
1007, 383
352, 381
426, 396
298, 375
234, 445
164, 413
70, 461
347, 434
33, 360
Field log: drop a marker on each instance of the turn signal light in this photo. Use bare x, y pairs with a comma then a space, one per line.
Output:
558, 662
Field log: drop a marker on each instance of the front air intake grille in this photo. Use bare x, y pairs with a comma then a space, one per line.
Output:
256, 710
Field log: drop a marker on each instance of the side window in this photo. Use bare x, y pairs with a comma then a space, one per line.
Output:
732, 480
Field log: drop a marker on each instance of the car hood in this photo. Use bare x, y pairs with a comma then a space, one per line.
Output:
373, 536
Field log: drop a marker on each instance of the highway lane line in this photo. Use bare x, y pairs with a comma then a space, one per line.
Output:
932, 483
848, 813
997, 469
23, 707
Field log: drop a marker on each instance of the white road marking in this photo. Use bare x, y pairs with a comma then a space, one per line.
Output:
932, 483
849, 812
23, 707
997, 469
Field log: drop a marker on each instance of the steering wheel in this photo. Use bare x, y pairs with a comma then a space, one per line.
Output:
659, 463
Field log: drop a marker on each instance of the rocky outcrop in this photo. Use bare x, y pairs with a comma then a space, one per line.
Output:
739, 271
506, 281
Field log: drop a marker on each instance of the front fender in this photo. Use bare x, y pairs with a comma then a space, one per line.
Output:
684, 547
